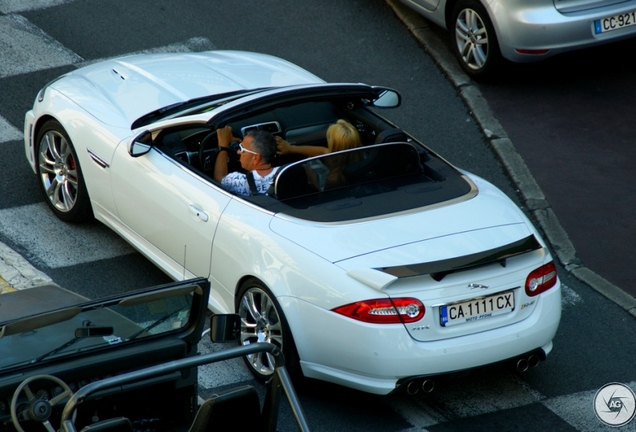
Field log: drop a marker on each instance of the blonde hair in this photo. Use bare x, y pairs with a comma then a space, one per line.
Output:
342, 135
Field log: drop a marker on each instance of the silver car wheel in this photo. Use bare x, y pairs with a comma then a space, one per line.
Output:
60, 175
260, 322
58, 171
471, 37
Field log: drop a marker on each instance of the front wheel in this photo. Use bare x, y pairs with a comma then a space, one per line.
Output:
60, 176
262, 320
474, 40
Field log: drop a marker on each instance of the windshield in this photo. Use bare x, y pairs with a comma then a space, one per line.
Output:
193, 106
87, 326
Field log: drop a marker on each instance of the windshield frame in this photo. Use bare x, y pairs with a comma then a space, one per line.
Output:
89, 326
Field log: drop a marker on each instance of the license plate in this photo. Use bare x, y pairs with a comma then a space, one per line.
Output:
477, 309
615, 22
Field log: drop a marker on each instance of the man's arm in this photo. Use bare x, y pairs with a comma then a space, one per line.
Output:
225, 137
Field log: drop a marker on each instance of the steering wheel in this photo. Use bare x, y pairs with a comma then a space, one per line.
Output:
209, 150
37, 409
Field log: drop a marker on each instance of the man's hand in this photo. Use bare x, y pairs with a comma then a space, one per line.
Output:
225, 136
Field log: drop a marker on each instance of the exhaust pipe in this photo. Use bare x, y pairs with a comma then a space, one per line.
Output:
522, 365
413, 388
428, 385
425, 385
533, 361
525, 363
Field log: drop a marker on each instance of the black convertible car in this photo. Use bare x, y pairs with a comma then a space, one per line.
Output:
125, 363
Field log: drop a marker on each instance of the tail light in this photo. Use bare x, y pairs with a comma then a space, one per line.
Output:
384, 311
541, 279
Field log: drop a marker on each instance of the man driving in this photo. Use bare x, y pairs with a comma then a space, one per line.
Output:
256, 152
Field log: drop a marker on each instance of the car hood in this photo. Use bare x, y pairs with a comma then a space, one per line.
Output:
485, 222
120, 91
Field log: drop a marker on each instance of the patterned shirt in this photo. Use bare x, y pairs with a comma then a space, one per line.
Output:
237, 182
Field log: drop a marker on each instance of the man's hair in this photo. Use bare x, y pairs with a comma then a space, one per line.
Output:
264, 144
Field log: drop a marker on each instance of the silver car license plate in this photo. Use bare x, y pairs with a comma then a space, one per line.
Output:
615, 22
477, 309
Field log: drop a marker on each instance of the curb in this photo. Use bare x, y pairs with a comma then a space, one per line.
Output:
505, 150
16, 273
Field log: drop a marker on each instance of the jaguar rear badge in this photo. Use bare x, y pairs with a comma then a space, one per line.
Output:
477, 286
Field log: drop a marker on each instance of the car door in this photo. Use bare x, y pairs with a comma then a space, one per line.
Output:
171, 212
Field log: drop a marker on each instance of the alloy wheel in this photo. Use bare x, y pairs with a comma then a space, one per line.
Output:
58, 171
471, 37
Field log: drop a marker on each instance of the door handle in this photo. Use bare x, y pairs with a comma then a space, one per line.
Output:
199, 213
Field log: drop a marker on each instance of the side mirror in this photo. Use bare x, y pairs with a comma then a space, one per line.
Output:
388, 99
141, 144
225, 328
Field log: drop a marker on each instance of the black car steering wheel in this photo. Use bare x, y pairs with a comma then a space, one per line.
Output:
37, 409
209, 150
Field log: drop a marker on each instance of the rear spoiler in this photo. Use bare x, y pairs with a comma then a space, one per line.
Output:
440, 269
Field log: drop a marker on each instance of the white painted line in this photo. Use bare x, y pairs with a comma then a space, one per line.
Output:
26, 48
57, 244
8, 132
12, 6
569, 297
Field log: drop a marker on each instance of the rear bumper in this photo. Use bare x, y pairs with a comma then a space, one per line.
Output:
374, 358
546, 28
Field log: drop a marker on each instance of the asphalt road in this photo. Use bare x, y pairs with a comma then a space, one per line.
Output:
358, 40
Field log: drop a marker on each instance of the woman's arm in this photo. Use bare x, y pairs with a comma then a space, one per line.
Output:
285, 148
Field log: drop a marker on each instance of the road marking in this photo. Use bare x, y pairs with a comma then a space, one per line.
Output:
27, 48
12, 6
569, 297
34, 227
8, 132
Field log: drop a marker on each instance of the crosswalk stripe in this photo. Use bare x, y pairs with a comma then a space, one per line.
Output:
27, 48
8, 132
32, 227
13, 6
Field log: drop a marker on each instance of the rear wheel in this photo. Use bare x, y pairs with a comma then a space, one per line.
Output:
262, 320
59, 174
474, 40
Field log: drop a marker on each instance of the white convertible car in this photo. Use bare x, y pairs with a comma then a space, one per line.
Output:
410, 269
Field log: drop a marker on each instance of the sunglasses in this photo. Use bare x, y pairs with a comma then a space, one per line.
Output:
243, 149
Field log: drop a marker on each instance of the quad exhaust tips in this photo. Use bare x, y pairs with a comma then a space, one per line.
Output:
425, 386
525, 363
422, 385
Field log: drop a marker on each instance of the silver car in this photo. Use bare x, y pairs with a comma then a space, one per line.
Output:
485, 31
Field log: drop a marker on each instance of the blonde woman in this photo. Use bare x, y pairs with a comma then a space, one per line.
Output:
341, 135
